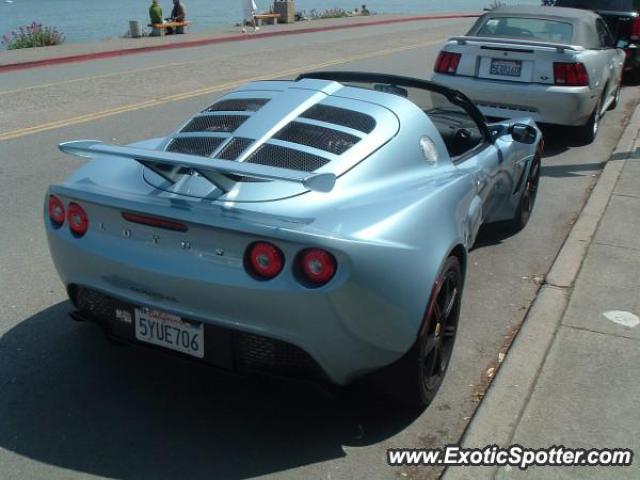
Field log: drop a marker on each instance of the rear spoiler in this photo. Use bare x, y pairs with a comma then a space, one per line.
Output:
212, 169
560, 47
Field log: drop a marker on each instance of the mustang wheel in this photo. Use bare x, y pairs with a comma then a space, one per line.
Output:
588, 132
616, 97
528, 198
421, 371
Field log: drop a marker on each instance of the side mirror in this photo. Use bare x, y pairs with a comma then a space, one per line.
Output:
523, 133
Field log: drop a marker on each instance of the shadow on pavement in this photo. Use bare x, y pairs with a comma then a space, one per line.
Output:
71, 399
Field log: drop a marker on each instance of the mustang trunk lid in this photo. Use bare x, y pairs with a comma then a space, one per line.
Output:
311, 125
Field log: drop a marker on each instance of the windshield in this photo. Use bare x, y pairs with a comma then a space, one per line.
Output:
527, 28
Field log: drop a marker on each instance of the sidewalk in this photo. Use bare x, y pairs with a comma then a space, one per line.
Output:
77, 52
572, 375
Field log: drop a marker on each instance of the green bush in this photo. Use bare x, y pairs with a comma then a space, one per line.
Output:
34, 35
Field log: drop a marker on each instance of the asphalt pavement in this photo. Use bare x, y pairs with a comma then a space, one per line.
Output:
74, 406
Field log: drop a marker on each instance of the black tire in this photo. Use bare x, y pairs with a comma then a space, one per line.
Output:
416, 378
616, 97
588, 132
528, 197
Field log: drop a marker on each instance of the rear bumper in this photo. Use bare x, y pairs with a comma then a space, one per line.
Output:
361, 321
571, 106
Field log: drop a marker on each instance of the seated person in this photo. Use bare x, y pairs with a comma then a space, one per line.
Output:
178, 14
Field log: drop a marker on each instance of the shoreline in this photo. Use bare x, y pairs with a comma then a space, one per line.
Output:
21, 59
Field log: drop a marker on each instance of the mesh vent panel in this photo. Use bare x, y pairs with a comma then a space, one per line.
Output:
276, 156
215, 123
256, 353
201, 146
318, 137
234, 148
341, 116
238, 105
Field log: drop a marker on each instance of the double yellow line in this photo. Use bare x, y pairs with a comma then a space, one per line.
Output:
21, 132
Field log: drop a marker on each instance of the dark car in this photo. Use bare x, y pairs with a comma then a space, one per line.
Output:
623, 18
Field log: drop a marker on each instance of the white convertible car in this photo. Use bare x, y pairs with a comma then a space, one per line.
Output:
556, 65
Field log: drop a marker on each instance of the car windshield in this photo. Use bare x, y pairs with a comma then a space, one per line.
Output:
527, 28
614, 5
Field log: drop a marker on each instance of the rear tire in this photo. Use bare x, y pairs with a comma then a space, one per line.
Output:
587, 133
527, 198
416, 378
616, 98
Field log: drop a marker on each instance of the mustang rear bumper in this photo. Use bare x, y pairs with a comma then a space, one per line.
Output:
570, 106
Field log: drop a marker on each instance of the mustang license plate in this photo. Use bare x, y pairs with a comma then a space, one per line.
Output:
169, 331
507, 68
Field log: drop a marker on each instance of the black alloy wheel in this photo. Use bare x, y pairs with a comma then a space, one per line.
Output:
414, 380
528, 198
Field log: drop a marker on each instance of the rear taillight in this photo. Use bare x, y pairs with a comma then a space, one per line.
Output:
570, 74
56, 211
635, 29
264, 260
78, 219
447, 62
317, 266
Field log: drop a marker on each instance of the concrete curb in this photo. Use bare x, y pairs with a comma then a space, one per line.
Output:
499, 413
214, 40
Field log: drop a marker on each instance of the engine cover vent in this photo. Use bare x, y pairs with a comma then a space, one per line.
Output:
215, 123
341, 116
327, 139
277, 156
238, 105
201, 146
234, 148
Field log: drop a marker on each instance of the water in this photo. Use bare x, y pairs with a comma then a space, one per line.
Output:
84, 20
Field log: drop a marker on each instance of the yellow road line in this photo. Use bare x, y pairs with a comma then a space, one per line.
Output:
199, 92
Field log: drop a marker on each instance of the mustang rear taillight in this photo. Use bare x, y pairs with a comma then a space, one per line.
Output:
318, 266
264, 260
635, 29
570, 74
56, 211
78, 219
447, 62
154, 221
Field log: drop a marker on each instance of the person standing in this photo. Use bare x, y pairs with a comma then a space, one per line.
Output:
250, 9
155, 13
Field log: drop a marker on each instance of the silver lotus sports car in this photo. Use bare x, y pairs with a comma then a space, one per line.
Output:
314, 228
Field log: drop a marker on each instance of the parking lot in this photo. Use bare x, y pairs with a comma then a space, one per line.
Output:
74, 406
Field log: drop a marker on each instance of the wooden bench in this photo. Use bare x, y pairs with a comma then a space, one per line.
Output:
271, 18
158, 29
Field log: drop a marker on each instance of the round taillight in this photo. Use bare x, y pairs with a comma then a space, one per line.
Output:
265, 260
56, 211
78, 220
318, 266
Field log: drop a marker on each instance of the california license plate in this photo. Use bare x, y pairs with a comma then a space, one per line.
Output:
507, 68
169, 331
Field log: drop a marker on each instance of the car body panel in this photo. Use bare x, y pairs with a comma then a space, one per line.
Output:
533, 92
391, 220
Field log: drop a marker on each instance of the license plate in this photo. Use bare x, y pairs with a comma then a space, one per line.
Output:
169, 331
507, 68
